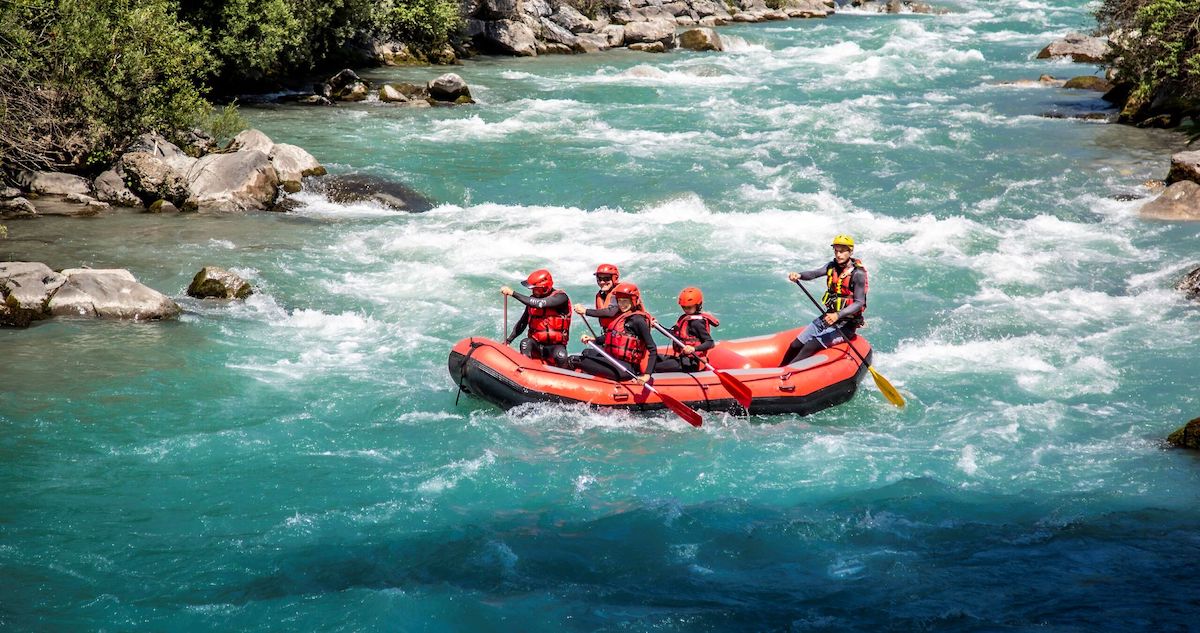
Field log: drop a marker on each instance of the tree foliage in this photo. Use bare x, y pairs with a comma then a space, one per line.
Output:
80, 78
1156, 51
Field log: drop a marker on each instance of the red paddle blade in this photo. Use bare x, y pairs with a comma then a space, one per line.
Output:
680, 409
736, 388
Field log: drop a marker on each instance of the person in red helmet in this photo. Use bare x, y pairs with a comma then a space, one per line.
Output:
627, 339
845, 302
694, 330
548, 317
607, 277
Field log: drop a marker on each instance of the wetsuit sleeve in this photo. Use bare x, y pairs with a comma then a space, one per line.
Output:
641, 328
520, 326
860, 296
809, 275
557, 300
604, 313
701, 332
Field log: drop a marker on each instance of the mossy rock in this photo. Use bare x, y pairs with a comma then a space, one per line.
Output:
1188, 436
1088, 82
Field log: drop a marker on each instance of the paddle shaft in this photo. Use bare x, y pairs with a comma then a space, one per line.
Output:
658, 326
735, 387
835, 325
505, 332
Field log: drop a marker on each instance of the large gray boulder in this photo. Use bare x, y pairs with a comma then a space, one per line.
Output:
217, 283
1179, 202
110, 188
449, 87
1077, 46
109, 294
251, 140
292, 164
1190, 285
497, 10
237, 182
656, 30
55, 183
508, 37
1184, 166
1188, 436
25, 291
17, 207
701, 39
155, 145
571, 19
150, 178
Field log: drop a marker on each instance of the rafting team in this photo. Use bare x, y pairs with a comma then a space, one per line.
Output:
626, 338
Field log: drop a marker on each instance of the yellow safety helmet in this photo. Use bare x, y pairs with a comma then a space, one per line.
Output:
843, 240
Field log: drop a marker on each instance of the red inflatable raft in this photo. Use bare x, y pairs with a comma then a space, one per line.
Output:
499, 374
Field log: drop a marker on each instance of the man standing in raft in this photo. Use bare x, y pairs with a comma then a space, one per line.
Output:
693, 329
627, 339
607, 276
548, 315
845, 302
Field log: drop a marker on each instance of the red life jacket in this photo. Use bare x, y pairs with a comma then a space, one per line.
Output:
840, 289
548, 326
601, 303
623, 345
684, 333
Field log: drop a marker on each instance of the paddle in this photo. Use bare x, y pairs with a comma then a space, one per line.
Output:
504, 334
735, 387
882, 383
680, 409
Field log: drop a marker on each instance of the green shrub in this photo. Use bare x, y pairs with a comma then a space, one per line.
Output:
427, 25
1156, 50
84, 77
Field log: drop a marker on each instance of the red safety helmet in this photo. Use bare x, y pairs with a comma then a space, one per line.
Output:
608, 269
690, 296
539, 280
628, 290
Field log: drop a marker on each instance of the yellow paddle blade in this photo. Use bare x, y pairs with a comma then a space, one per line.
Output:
886, 388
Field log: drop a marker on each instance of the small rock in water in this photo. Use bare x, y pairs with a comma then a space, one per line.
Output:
217, 283
1188, 436
350, 188
1190, 285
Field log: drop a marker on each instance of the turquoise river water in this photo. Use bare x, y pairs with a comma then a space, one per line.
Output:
298, 462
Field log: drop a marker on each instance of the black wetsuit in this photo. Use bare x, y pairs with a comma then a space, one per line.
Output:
593, 363
689, 363
553, 354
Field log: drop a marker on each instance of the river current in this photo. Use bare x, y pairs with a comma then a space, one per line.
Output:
299, 462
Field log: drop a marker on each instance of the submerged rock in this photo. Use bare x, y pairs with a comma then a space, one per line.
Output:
1190, 285
351, 188
217, 283
1088, 82
1188, 436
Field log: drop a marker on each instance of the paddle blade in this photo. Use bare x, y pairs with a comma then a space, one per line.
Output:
680, 409
886, 388
736, 388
